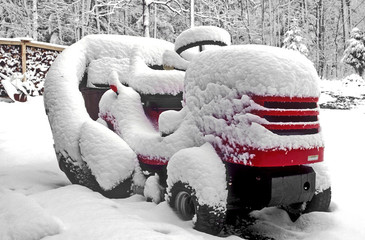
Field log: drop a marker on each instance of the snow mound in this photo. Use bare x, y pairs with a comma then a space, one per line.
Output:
204, 171
254, 69
353, 85
110, 159
169, 121
22, 218
153, 190
146, 80
172, 59
134, 72
98, 70
202, 33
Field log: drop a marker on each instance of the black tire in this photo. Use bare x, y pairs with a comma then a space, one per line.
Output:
82, 175
319, 203
184, 201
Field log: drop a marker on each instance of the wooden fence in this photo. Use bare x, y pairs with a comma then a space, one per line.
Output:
28, 57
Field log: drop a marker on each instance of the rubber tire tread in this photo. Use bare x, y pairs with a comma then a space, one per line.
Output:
320, 202
83, 176
208, 219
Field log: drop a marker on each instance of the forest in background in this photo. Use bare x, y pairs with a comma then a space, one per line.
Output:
324, 25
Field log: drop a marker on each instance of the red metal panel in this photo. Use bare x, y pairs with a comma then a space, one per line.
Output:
278, 158
152, 160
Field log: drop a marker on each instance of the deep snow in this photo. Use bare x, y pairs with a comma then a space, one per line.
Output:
28, 167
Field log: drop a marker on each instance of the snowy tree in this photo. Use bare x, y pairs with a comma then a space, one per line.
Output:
293, 39
354, 54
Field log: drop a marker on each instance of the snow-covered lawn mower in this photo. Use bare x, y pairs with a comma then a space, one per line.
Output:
238, 129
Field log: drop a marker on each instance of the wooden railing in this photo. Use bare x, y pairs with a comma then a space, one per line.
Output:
28, 57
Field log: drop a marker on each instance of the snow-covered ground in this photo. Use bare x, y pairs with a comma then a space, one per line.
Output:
37, 200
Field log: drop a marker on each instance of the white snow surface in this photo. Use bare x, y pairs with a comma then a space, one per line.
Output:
22, 218
28, 165
208, 178
110, 159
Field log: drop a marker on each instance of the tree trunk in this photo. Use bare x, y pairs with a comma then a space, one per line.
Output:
248, 22
262, 21
192, 13
82, 18
146, 19
305, 17
289, 15
155, 22
348, 5
336, 45
35, 20
125, 19
271, 23
320, 38
344, 24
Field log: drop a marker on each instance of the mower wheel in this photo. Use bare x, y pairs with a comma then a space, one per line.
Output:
184, 201
319, 203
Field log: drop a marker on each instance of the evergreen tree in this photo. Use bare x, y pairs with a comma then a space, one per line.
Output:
354, 54
293, 39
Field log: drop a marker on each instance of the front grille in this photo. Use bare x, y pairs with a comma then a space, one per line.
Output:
288, 116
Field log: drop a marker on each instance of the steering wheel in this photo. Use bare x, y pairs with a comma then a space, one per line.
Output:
201, 36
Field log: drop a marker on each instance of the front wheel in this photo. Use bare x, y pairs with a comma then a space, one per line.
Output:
184, 201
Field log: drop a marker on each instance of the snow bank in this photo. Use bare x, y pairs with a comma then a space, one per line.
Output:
22, 218
95, 217
110, 159
204, 171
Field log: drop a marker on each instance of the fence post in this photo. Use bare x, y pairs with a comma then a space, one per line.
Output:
24, 56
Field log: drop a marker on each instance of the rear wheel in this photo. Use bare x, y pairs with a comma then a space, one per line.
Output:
319, 203
186, 204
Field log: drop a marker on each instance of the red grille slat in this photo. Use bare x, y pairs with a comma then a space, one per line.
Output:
270, 112
291, 126
260, 99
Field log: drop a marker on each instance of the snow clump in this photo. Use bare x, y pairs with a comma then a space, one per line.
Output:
204, 171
